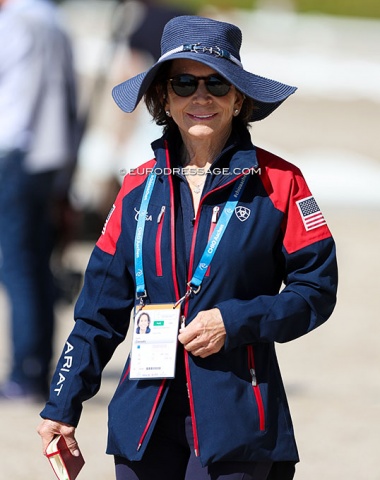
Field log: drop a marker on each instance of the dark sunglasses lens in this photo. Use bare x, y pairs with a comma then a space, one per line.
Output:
184, 85
217, 87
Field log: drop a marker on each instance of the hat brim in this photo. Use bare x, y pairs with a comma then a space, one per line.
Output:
267, 94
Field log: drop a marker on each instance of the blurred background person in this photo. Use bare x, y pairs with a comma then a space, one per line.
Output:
112, 143
38, 128
153, 15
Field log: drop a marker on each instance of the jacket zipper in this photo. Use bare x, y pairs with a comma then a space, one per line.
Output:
172, 227
160, 221
186, 355
126, 374
175, 281
191, 403
256, 388
176, 289
191, 266
152, 413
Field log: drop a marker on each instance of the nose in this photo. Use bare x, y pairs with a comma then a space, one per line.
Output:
201, 92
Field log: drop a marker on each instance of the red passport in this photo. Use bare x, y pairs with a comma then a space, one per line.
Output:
64, 464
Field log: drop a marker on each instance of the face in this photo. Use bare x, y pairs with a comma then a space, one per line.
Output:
201, 115
143, 321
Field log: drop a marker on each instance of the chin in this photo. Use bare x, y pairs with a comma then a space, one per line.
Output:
201, 131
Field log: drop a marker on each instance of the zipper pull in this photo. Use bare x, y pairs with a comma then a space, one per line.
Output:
253, 374
160, 215
215, 212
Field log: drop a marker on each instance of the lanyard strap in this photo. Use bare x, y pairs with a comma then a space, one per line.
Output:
212, 245
220, 228
139, 268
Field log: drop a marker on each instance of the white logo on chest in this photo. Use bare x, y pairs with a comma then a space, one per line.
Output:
242, 213
148, 218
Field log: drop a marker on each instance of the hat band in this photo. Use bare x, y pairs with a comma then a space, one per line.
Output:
196, 48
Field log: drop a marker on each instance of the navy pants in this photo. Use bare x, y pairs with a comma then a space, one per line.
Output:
26, 242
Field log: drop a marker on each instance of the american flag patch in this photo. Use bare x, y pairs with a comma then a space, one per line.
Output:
311, 215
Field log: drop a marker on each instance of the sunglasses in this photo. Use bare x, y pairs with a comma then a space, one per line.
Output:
185, 85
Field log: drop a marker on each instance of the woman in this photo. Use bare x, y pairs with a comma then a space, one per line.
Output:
221, 225
143, 324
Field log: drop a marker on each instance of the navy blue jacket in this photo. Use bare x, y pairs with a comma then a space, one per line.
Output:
273, 277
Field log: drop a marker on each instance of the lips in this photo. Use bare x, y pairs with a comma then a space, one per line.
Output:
202, 117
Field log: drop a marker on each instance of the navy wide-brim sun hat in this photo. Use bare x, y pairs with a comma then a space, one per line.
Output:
213, 43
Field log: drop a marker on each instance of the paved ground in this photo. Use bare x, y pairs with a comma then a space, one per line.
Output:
332, 375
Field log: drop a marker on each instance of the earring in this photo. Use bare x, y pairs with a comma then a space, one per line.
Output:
168, 113
236, 112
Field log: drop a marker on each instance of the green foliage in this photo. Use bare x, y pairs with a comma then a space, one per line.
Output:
195, 5
351, 8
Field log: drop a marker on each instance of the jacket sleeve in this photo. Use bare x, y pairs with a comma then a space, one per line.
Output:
102, 315
306, 302
309, 274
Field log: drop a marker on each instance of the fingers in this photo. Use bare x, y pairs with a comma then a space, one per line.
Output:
205, 335
72, 445
203, 351
48, 429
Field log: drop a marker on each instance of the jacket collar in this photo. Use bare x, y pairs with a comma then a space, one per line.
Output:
238, 155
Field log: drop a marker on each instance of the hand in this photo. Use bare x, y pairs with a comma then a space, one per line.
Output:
48, 429
205, 335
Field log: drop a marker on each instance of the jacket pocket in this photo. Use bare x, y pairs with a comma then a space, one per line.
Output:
256, 388
158, 254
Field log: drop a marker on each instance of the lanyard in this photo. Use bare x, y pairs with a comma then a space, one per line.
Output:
209, 252
217, 234
139, 270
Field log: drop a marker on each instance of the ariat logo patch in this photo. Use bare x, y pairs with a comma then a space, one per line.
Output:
242, 213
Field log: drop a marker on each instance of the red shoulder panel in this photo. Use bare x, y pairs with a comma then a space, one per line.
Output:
112, 226
303, 222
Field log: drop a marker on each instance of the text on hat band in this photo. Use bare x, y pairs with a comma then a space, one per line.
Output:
197, 48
